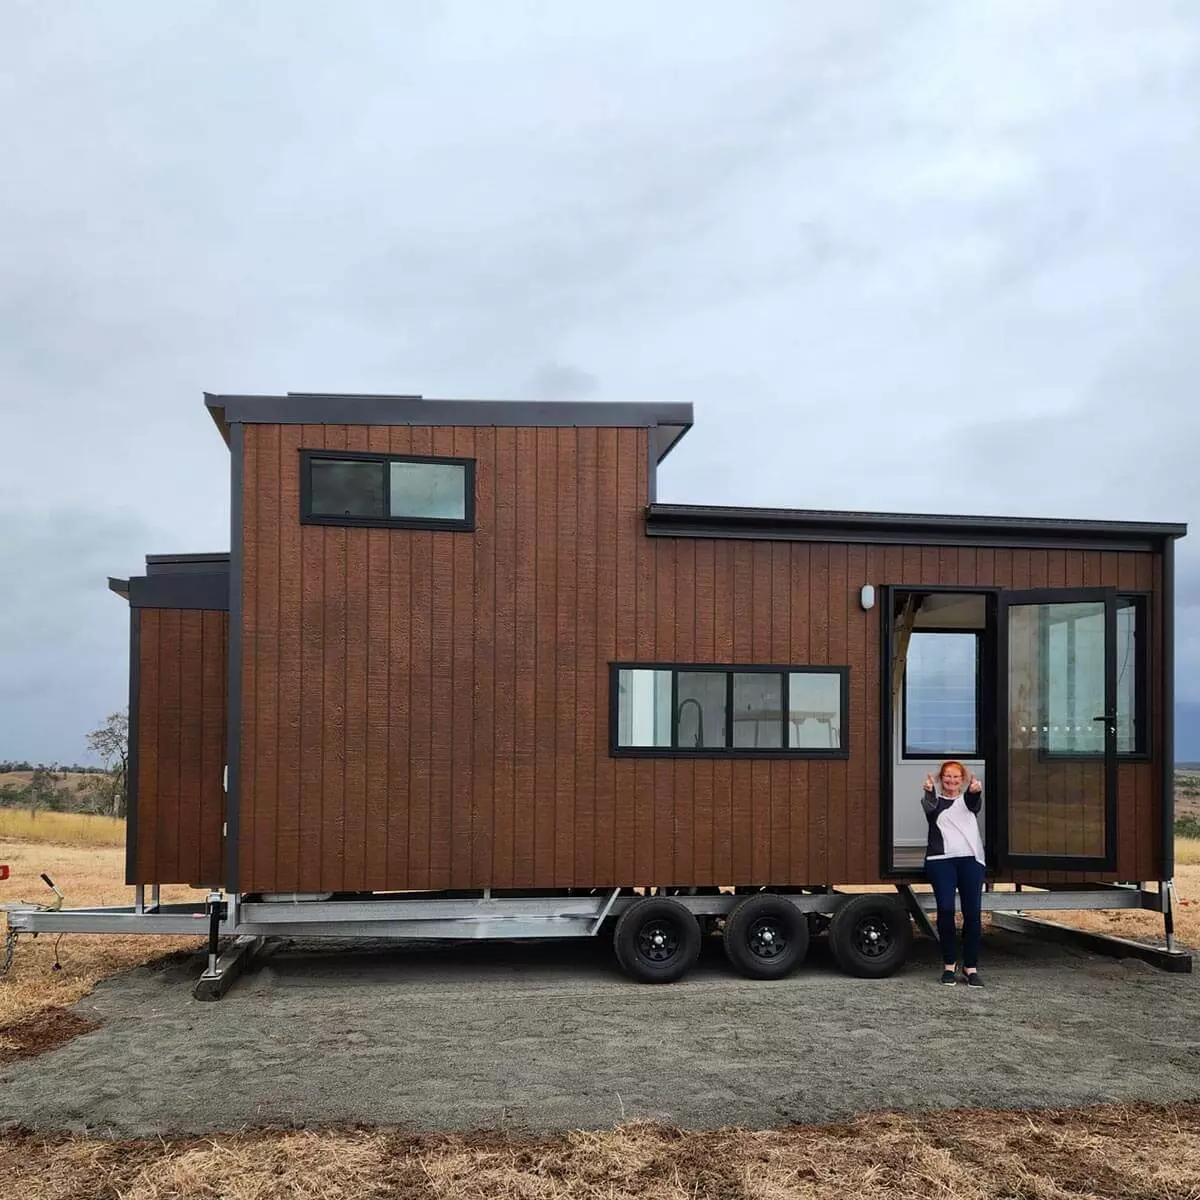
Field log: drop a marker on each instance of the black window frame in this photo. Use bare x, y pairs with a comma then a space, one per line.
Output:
939, 755
1142, 693
465, 523
674, 750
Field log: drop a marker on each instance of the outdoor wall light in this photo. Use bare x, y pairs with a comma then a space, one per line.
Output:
867, 596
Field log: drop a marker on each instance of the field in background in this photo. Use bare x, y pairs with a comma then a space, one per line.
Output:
68, 779
1121, 1152
1187, 793
78, 829
86, 875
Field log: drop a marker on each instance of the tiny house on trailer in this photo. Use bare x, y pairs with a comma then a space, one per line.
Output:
463, 675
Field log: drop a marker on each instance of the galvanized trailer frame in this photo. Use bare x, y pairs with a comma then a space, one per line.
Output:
459, 917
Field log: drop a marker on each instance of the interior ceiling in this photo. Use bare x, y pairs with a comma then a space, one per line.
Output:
953, 610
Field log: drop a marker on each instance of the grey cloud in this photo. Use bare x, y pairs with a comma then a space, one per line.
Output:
868, 244
560, 381
64, 659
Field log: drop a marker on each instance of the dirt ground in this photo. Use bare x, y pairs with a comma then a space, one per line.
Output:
528, 1039
550, 1037
1121, 1153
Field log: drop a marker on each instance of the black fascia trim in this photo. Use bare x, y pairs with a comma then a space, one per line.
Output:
672, 520
216, 410
119, 587
313, 408
180, 564
452, 524
1167, 586
670, 438
941, 755
728, 750
188, 590
233, 686
131, 770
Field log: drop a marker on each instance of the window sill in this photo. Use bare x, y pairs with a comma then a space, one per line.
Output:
939, 756
723, 755
1081, 756
451, 526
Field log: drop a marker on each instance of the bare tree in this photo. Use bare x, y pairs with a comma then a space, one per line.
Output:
111, 744
42, 792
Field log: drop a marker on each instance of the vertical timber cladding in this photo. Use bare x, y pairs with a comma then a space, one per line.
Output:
180, 746
429, 709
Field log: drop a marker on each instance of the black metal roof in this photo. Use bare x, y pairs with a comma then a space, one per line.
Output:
670, 421
178, 581
176, 564
688, 520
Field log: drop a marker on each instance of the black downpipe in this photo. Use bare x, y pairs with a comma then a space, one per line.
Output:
233, 686
131, 753
1168, 713
1165, 887
887, 730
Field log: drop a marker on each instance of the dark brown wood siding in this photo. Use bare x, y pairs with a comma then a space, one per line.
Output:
430, 709
180, 713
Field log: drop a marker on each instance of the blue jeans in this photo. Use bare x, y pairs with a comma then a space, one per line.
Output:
964, 875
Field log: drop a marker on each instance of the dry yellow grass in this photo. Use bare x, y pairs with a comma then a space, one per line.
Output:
1148, 926
1187, 851
86, 875
77, 829
1133, 1152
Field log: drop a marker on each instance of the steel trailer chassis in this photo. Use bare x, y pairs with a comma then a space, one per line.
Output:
464, 916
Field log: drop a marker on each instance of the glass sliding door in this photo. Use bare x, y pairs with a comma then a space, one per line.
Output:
1058, 728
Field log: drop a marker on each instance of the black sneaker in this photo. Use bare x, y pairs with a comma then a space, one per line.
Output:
973, 980
949, 978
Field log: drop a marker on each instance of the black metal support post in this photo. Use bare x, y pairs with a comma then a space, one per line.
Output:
216, 914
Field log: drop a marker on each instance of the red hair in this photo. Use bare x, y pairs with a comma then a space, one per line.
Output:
950, 762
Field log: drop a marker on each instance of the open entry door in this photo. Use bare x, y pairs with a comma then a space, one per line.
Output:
1057, 751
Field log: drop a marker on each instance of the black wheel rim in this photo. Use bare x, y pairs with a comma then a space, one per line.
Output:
767, 939
658, 940
873, 937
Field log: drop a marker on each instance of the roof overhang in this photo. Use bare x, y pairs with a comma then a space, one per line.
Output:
178, 581
783, 524
670, 421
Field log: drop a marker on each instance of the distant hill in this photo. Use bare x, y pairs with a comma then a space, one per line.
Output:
70, 780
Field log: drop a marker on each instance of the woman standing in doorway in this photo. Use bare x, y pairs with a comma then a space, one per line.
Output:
954, 862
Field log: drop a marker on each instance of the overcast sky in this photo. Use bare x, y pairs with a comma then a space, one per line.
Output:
926, 256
